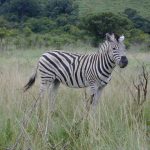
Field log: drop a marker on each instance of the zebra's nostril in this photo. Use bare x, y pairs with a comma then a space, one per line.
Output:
124, 59
123, 62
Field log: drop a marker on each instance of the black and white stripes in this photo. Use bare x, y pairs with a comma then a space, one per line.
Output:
78, 71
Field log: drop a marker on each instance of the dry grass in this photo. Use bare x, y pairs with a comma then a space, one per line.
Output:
114, 126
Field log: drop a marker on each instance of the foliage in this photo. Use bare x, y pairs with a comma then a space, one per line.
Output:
27, 31
19, 9
99, 24
55, 8
57, 20
6, 33
138, 36
3, 22
139, 21
41, 25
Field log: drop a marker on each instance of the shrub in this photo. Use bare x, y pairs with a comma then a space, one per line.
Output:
139, 21
98, 25
3, 22
22, 8
27, 31
55, 8
41, 25
138, 36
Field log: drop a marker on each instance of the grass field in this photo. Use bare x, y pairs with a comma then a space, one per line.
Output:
114, 126
115, 6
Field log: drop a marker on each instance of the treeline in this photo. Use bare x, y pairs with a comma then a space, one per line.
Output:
57, 22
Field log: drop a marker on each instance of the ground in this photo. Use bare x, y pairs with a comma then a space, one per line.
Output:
114, 126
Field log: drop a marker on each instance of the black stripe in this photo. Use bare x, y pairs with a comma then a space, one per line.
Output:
81, 75
111, 60
56, 68
44, 71
71, 55
87, 61
103, 68
76, 73
99, 68
48, 70
65, 56
46, 77
105, 62
90, 63
64, 65
108, 61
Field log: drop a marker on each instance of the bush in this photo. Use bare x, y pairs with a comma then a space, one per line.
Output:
55, 8
139, 21
6, 33
21, 9
98, 25
41, 25
27, 31
3, 22
138, 36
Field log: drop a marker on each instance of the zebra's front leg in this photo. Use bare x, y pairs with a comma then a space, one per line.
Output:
96, 93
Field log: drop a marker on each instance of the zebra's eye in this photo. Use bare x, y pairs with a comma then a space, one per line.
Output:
114, 48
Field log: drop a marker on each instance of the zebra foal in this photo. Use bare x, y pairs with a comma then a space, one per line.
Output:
79, 71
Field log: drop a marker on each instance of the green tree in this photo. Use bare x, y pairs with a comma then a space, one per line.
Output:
40, 25
19, 9
139, 22
99, 24
64, 11
3, 1
4, 35
57, 7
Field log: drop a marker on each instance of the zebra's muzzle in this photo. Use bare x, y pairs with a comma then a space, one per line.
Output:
123, 62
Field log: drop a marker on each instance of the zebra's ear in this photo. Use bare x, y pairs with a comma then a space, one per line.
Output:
121, 38
109, 37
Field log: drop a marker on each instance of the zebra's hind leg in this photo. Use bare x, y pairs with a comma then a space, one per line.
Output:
51, 104
45, 84
52, 94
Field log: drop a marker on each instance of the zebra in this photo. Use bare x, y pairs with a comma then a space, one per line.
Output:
81, 70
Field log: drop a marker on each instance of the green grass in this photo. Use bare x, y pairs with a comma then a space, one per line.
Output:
115, 6
113, 127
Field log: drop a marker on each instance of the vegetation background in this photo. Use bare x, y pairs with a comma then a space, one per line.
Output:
30, 27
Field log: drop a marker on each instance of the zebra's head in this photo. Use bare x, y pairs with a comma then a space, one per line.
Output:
117, 49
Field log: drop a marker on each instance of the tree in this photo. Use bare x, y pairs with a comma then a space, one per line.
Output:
40, 25
58, 7
20, 9
99, 24
139, 22
4, 34
3, 1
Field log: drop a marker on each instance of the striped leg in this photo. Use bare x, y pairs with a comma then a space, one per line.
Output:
52, 94
51, 104
46, 82
95, 95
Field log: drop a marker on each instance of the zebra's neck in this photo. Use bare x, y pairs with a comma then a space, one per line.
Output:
105, 57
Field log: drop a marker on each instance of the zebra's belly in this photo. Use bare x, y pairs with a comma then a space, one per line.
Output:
75, 84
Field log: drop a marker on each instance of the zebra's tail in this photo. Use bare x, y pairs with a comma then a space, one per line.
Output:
31, 80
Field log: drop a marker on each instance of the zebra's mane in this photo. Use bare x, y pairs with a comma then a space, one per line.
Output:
103, 47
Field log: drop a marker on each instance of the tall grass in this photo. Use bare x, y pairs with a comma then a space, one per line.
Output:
113, 127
